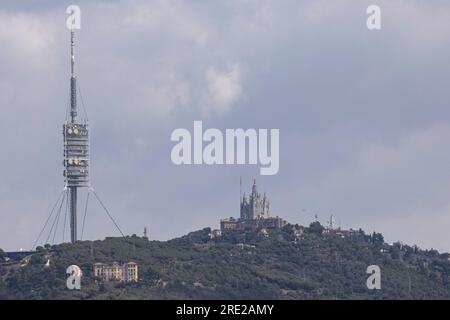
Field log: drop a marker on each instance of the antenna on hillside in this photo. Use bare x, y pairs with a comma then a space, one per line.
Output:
76, 154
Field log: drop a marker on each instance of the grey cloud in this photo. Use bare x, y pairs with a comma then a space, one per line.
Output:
363, 116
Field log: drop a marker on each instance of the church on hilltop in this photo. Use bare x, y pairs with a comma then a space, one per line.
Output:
255, 207
254, 214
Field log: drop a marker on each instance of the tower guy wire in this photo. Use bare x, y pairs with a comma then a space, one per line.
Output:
107, 212
54, 221
48, 219
85, 213
65, 218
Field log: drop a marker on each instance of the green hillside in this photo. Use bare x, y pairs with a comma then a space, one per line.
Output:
284, 264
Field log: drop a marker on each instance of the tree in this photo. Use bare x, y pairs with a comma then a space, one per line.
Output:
316, 228
377, 238
2, 253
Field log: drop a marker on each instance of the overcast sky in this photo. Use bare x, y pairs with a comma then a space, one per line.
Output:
363, 115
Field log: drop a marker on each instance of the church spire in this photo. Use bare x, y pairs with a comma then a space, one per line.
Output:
254, 189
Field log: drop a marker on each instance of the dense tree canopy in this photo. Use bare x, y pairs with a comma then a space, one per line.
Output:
239, 265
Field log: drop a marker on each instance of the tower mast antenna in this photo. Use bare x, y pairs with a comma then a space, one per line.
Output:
73, 79
76, 147
73, 117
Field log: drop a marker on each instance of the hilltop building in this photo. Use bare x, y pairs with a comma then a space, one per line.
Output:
125, 273
255, 207
254, 214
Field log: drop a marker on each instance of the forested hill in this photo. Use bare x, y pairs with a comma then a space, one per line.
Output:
292, 263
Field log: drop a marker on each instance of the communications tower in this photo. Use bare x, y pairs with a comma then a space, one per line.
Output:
76, 167
76, 148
